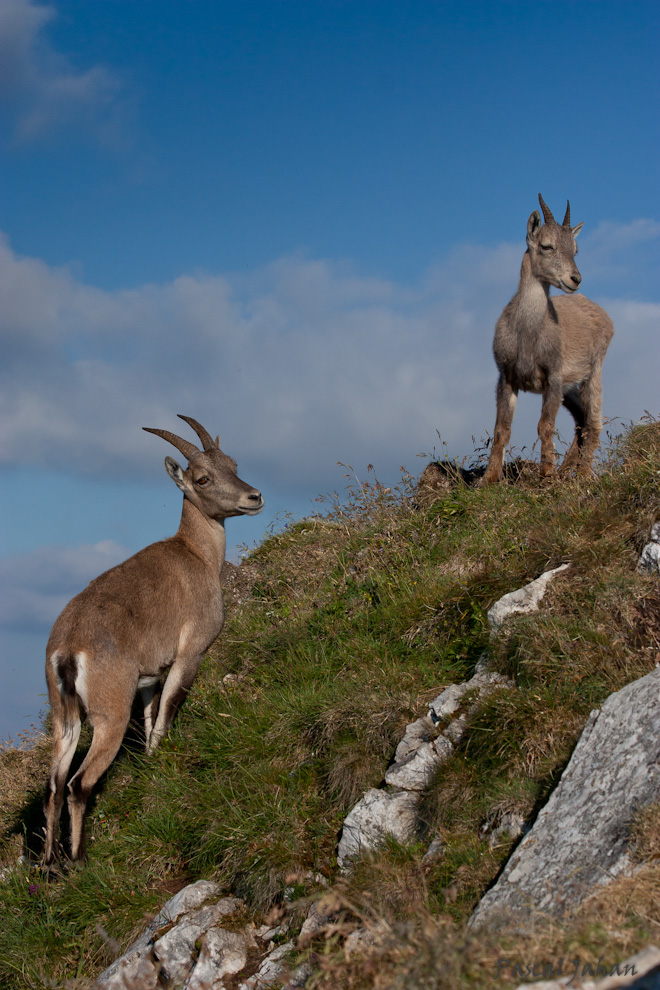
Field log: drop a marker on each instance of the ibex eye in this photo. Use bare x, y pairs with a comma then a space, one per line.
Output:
202, 481
547, 247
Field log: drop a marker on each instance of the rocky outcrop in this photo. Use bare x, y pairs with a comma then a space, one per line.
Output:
197, 943
423, 749
581, 837
426, 745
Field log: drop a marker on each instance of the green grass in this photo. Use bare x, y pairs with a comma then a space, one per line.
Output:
348, 625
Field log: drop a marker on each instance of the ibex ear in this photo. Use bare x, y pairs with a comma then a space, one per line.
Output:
576, 230
175, 473
533, 225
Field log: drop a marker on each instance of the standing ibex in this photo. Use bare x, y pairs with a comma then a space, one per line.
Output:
155, 614
552, 346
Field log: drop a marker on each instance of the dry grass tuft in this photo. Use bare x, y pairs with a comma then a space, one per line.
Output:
23, 773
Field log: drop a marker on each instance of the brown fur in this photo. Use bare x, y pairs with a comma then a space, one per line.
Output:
152, 617
552, 346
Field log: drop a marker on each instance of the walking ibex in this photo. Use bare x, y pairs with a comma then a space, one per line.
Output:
154, 615
552, 346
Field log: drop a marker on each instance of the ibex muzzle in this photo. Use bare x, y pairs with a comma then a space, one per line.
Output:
149, 619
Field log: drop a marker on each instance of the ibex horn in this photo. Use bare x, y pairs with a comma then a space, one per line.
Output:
206, 438
567, 218
547, 213
187, 449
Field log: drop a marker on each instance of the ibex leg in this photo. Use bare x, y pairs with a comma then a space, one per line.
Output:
573, 402
507, 397
108, 734
66, 735
181, 675
552, 399
150, 695
591, 396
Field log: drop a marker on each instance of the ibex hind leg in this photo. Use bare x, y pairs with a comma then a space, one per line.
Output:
584, 404
150, 695
66, 735
573, 402
592, 399
108, 735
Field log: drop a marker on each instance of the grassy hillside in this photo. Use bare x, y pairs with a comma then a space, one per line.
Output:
340, 630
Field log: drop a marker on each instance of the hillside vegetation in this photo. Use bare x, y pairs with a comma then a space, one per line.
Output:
340, 630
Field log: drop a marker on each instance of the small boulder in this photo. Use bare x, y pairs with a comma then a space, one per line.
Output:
378, 814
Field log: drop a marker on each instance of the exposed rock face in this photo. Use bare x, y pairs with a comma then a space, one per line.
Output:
419, 754
580, 838
186, 946
649, 562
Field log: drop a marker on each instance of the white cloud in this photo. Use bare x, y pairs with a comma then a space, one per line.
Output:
609, 239
303, 364
630, 372
621, 258
43, 91
37, 585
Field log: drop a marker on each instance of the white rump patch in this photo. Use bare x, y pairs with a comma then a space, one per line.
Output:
52, 660
81, 678
145, 682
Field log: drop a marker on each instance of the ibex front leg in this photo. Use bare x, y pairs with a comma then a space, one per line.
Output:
181, 675
507, 396
552, 400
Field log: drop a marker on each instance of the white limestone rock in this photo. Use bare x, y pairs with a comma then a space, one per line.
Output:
378, 814
447, 702
139, 966
416, 771
416, 733
271, 969
223, 953
153, 958
456, 729
522, 601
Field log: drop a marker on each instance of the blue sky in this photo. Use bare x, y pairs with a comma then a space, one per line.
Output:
298, 223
